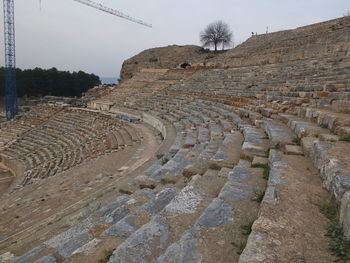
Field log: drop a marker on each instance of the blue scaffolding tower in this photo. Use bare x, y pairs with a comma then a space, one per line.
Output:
10, 60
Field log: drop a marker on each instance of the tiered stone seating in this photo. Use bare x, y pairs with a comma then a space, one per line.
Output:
146, 215
145, 83
35, 117
286, 82
235, 161
65, 140
303, 42
285, 215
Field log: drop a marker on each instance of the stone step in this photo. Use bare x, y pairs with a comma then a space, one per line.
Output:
284, 229
339, 123
279, 134
110, 220
227, 155
209, 238
334, 169
133, 134
126, 137
255, 141
302, 127
147, 243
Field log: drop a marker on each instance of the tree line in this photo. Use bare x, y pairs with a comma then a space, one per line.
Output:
42, 82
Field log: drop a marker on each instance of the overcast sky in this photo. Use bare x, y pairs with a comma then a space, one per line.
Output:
70, 36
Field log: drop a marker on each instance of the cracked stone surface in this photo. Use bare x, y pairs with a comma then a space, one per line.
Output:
186, 201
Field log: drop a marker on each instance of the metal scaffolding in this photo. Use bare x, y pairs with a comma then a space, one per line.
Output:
10, 60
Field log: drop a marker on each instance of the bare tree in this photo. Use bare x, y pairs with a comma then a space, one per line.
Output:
215, 34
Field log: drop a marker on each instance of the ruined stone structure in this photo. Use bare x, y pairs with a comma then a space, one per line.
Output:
256, 137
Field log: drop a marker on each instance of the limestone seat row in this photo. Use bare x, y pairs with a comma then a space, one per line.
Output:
141, 226
65, 140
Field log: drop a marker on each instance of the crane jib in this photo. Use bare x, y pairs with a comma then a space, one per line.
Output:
112, 11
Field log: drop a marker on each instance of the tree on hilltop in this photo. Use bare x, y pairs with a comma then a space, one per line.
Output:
215, 34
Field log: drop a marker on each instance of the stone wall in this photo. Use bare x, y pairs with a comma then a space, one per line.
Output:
155, 123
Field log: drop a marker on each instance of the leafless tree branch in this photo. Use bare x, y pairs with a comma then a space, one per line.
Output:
215, 34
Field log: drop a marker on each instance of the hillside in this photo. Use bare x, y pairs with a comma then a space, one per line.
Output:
300, 43
162, 57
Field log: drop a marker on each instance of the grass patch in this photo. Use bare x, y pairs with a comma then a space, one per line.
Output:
108, 254
259, 196
165, 160
297, 141
240, 247
337, 243
266, 137
345, 139
266, 172
149, 186
259, 165
324, 126
266, 168
247, 228
328, 211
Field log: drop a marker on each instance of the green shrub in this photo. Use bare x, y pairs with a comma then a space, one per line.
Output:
259, 165
108, 254
328, 211
266, 172
345, 139
247, 228
149, 186
337, 243
266, 168
165, 160
297, 140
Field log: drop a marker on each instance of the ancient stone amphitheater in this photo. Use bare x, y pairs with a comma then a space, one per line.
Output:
228, 160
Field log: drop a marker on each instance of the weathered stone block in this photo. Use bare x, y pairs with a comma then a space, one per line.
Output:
294, 150
216, 214
186, 201
345, 213
259, 160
